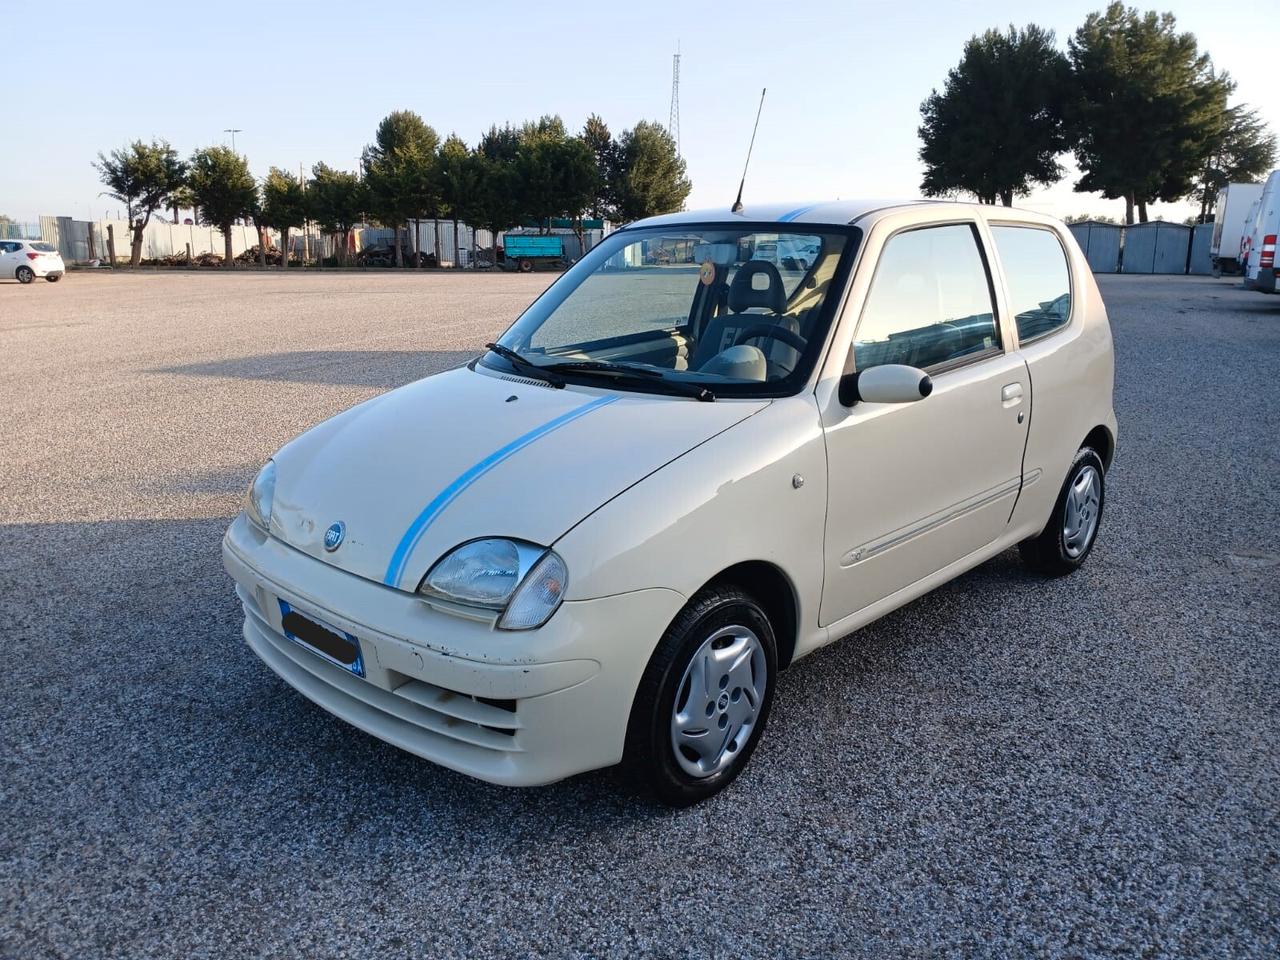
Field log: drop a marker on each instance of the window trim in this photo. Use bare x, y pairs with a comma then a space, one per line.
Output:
1004, 278
945, 366
832, 306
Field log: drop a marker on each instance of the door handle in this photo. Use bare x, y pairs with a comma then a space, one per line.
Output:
1010, 392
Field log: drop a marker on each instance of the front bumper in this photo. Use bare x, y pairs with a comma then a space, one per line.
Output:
514, 708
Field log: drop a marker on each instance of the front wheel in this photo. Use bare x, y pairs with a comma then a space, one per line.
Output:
1072, 529
704, 699
25, 274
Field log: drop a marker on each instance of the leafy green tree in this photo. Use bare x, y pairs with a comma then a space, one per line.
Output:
224, 191
596, 135
1148, 107
499, 193
284, 205
336, 200
460, 175
1244, 150
651, 176
144, 177
402, 172
996, 128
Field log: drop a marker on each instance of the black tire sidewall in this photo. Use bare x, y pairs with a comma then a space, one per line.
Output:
25, 274
1086, 456
723, 608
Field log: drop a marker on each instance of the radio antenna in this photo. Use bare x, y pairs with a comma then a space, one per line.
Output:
737, 204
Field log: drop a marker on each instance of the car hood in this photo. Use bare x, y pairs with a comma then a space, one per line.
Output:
468, 454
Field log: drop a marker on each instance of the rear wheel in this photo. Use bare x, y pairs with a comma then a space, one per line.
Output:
526, 266
1072, 530
704, 699
54, 277
25, 274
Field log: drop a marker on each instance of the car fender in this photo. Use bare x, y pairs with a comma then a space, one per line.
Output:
756, 492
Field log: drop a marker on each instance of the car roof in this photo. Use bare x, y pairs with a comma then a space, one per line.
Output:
832, 212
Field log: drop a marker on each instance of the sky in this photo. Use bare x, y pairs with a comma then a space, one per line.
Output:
309, 81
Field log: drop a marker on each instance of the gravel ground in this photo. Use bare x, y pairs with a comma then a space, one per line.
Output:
1008, 766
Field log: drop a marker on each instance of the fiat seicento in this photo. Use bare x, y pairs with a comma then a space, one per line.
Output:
683, 468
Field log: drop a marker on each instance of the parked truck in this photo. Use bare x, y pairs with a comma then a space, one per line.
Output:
524, 251
1229, 225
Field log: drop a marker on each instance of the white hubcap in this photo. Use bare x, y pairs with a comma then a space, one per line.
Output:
1080, 518
718, 701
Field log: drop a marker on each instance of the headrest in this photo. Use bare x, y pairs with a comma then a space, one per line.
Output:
743, 294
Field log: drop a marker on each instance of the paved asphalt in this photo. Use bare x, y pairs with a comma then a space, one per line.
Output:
1084, 767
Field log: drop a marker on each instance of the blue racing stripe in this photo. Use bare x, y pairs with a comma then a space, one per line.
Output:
399, 559
797, 212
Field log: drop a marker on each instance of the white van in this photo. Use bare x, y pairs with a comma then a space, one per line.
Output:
1260, 268
1233, 215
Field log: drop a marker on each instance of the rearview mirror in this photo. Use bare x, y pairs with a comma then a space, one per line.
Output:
887, 383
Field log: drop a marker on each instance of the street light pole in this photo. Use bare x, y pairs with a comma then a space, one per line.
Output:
233, 131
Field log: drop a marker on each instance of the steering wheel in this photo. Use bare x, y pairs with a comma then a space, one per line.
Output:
773, 331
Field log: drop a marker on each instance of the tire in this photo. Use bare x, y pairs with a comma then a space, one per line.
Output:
526, 266
672, 700
24, 274
1072, 530
54, 277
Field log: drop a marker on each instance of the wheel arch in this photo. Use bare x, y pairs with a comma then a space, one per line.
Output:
1100, 439
775, 592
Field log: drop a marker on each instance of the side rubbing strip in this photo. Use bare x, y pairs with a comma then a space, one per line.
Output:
395, 569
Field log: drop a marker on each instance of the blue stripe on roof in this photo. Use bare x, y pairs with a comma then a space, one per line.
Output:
400, 558
797, 212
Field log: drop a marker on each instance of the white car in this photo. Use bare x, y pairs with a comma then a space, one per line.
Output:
601, 540
25, 260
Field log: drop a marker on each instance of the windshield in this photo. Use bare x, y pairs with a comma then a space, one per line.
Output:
44, 247
738, 310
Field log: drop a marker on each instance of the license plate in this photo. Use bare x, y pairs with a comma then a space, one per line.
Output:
329, 643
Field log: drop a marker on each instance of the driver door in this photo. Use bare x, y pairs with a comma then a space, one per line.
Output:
914, 487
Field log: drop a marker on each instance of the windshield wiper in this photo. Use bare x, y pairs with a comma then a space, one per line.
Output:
525, 365
620, 371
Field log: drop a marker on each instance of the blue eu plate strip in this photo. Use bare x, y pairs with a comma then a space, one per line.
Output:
395, 569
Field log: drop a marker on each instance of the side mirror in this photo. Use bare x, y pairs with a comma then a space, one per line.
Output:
887, 383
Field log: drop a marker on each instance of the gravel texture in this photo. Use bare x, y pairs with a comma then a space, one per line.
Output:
1008, 766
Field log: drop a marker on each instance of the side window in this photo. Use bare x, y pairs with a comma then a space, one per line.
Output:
1035, 268
930, 301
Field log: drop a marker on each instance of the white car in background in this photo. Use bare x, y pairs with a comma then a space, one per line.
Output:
25, 260
600, 541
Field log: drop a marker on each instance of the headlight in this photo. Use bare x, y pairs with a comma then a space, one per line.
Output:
522, 582
261, 492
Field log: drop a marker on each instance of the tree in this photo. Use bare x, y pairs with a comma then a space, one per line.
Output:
997, 127
557, 173
1243, 151
336, 200
223, 189
283, 206
651, 176
402, 172
499, 193
144, 177
1148, 107
460, 175
595, 133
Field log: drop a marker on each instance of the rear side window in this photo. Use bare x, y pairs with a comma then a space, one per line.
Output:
44, 247
929, 303
1035, 268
